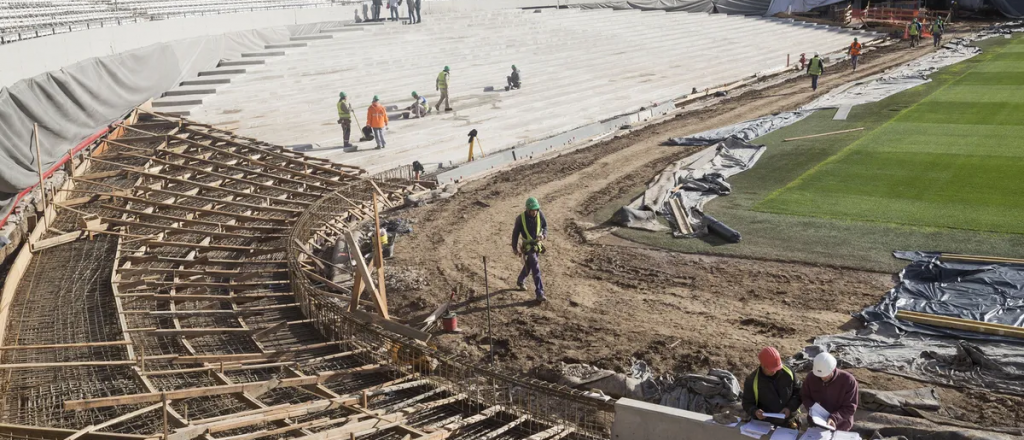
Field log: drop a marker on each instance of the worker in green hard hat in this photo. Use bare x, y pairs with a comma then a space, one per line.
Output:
442, 86
533, 227
419, 107
514, 81
345, 117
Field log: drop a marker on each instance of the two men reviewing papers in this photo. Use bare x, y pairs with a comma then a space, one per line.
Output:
829, 394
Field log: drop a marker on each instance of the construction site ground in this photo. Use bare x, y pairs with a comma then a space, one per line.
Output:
611, 299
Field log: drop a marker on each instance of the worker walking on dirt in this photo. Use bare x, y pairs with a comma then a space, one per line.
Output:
345, 117
914, 30
772, 389
815, 68
936, 32
854, 52
533, 227
419, 107
442, 86
833, 389
377, 119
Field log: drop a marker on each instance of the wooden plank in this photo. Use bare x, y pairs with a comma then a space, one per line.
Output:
82, 344
391, 326
507, 427
378, 254
191, 332
56, 241
962, 324
31, 366
92, 428
185, 221
43, 432
823, 134
367, 279
980, 258
244, 217
268, 332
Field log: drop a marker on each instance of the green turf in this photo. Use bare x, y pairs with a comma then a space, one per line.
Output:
917, 177
951, 160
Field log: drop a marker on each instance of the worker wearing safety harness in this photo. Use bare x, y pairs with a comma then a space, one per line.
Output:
772, 389
534, 229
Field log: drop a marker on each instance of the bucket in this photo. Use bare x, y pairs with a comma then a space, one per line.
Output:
449, 322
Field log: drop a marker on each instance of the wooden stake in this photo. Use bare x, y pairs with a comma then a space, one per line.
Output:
379, 254
823, 134
163, 397
39, 168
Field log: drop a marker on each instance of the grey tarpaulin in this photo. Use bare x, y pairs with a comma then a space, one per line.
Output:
778, 6
734, 7
699, 178
747, 130
75, 102
977, 291
1010, 8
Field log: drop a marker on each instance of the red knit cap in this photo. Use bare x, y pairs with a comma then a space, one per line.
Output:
770, 360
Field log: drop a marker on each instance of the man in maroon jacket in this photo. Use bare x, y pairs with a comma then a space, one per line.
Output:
833, 389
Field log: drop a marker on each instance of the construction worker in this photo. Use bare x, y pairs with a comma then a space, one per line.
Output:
532, 225
854, 52
442, 86
419, 107
345, 117
815, 68
914, 29
772, 388
377, 119
376, 9
833, 389
514, 81
803, 61
936, 32
419, 18
411, 6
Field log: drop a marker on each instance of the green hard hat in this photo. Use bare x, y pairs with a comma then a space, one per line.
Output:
375, 98
342, 95
513, 67
414, 94
532, 203
446, 68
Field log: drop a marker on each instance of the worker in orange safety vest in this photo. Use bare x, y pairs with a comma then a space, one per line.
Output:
854, 52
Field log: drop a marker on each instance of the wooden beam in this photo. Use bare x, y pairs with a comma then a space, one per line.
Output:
64, 365
92, 428
823, 134
56, 241
378, 255
82, 344
42, 432
190, 332
962, 324
364, 272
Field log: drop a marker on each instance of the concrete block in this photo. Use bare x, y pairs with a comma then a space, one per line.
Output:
177, 102
206, 81
176, 111
284, 45
216, 72
193, 90
278, 53
636, 420
232, 63
311, 37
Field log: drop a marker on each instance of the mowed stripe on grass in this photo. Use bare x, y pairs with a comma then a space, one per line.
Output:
952, 160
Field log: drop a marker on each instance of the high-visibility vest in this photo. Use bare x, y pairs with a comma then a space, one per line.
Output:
815, 67
530, 243
757, 375
913, 29
855, 48
936, 28
383, 237
344, 112
442, 80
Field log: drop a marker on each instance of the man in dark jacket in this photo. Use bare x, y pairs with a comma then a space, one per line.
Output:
532, 226
772, 389
834, 389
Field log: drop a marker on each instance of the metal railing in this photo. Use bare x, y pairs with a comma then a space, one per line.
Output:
544, 405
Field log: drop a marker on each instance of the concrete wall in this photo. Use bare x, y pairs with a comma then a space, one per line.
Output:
28, 58
636, 420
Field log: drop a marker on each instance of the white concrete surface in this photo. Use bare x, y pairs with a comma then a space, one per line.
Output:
578, 67
636, 420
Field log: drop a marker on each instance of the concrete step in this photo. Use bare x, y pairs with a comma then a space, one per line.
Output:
278, 53
216, 72
284, 45
176, 101
205, 82
176, 111
341, 29
311, 37
250, 62
191, 90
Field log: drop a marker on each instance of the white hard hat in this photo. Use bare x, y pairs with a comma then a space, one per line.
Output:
815, 54
824, 365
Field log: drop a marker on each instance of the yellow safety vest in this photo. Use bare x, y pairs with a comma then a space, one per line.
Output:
815, 67
530, 243
442, 80
343, 110
757, 375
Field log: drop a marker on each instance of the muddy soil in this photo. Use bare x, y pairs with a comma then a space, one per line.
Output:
614, 301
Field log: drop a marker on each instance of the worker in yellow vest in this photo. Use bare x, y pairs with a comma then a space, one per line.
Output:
772, 392
914, 30
815, 68
442, 86
345, 117
533, 228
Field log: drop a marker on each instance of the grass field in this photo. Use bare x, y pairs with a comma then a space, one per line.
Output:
936, 168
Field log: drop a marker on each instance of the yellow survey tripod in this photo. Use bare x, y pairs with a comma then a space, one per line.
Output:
473, 139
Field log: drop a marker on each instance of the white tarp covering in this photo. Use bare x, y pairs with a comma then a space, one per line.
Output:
797, 5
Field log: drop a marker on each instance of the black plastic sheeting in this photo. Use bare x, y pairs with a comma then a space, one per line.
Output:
1010, 8
983, 292
737, 7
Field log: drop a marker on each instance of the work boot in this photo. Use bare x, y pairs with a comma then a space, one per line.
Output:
348, 145
520, 287
541, 299
448, 109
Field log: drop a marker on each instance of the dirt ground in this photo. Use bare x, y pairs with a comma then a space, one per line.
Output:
611, 300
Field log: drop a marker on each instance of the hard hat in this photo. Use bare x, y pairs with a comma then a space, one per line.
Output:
815, 54
375, 98
854, 39
513, 67
414, 94
532, 203
824, 365
342, 95
446, 68
771, 362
